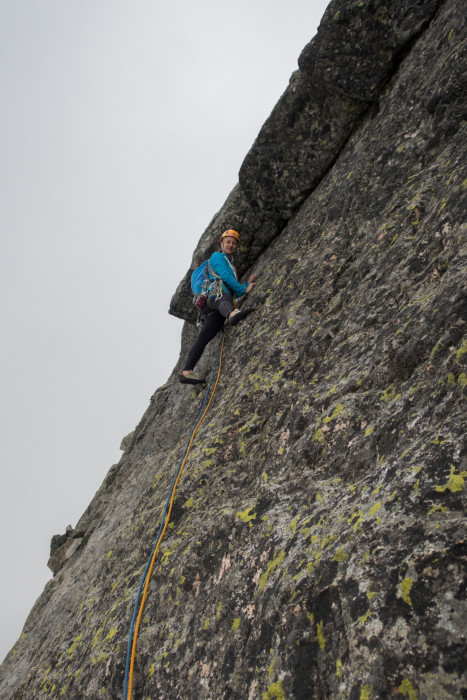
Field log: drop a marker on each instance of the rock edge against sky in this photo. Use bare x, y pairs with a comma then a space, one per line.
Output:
317, 544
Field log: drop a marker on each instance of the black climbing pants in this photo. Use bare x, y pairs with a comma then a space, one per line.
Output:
214, 322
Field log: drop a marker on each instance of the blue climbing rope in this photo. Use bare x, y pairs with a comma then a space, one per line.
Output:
140, 598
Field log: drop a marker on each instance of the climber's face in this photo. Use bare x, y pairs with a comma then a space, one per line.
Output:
229, 245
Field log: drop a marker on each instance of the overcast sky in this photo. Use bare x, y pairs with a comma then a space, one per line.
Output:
122, 129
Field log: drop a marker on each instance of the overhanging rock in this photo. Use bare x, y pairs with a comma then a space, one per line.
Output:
340, 76
341, 73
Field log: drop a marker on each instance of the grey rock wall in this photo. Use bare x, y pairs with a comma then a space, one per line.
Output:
317, 544
341, 74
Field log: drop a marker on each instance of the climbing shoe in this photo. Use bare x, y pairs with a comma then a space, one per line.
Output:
238, 316
190, 379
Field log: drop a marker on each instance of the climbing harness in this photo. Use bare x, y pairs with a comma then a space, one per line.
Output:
144, 584
203, 287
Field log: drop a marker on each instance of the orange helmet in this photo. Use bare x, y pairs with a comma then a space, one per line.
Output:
231, 232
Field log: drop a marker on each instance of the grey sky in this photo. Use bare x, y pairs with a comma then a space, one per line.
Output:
122, 129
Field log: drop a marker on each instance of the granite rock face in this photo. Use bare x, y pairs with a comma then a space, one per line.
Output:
342, 72
317, 544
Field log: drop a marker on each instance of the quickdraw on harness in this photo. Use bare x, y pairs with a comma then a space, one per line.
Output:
203, 287
144, 584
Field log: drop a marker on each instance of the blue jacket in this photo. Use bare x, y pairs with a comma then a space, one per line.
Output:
223, 267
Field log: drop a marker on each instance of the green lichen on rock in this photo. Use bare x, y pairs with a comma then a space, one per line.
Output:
316, 544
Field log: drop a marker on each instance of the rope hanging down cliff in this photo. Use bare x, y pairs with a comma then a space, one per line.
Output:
144, 585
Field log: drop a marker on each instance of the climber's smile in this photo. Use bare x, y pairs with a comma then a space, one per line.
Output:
229, 245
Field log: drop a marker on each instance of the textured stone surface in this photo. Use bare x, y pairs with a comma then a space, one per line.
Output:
317, 543
62, 547
341, 74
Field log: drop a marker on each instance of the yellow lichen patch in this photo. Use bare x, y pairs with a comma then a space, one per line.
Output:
454, 483
339, 668
388, 394
439, 440
271, 668
406, 586
168, 553
113, 631
337, 411
293, 525
374, 509
359, 518
275, 690
462, 350
365, 692
406, 689
235, 624
245, 515
250, 424
320, 635
340, 555
272, 566
44, 680
435, 509
96, 638
363, 618
319, 436
326, 540
102, 656
75, 643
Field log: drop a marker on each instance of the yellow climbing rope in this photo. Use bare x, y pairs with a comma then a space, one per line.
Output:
142, 599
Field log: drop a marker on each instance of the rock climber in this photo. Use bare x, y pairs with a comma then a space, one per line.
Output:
223, 286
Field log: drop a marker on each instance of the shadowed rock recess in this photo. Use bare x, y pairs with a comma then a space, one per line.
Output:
316, 548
